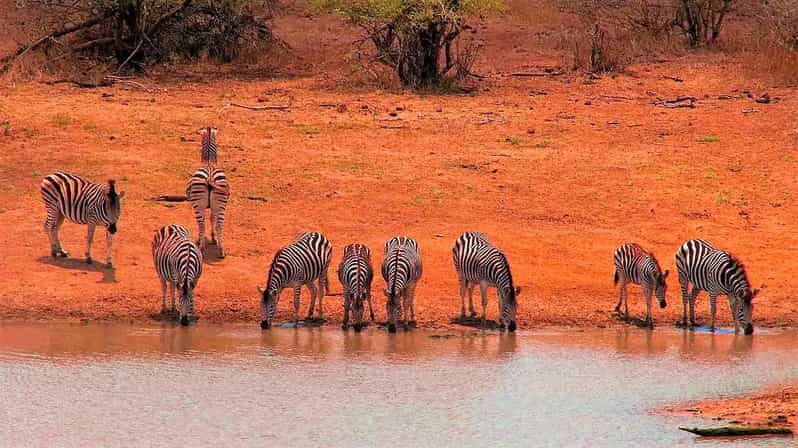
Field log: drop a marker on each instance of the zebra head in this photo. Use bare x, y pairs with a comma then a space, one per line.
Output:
358, 298
393, 308
661, 287
509, 307
743, 307
113, 206
268, 306
186, 300
208, 146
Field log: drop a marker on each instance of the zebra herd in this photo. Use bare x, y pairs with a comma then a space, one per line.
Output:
178, 260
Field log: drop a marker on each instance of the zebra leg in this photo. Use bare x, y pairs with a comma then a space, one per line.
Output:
411, 296
297, 292
52, 226
172, 293
712, 308
692, 297
501, 307
732, 302
322, 292
89, 239
683, 286
647, 295
217, 216
347, 305
199, 214
462, 298
163, 296
371, 310
471, 299
313, 292
109, 237
625, 295
483, 289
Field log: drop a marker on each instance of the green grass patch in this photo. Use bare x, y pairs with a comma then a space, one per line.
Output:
541, 144
307, 130
709, 139
710, 175
721, 198
62, 120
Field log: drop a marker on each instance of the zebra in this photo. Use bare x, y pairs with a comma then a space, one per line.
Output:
478, 262
67, 196
634, 265
356, 273
718, 273
178, 262
401, 269
300, 263
208, 188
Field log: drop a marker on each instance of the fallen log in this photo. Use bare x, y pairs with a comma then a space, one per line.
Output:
244, 106
737, 431
678, 102
170, 198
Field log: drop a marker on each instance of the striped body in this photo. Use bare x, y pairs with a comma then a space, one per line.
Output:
356, 274
71, 197
634, 265
401, 270
302, 262
478, 262
208, 188
718, 273
178, 262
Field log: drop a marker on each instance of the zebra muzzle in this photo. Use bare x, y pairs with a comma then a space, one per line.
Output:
264, 324
112, 228
749, 329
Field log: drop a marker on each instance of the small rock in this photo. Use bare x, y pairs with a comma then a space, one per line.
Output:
588, 103
113, 137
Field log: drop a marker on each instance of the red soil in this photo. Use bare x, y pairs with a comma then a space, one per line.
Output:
778, 407
557, 171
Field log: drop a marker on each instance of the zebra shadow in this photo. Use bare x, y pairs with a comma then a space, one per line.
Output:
79, 264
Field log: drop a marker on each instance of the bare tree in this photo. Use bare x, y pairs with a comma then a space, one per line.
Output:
701, 20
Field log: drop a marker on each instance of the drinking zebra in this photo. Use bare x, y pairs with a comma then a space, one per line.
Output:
634, 265
355, 273
478, 262
178, 262
208, 188
71, 197
401, 269
300, 263
718, 273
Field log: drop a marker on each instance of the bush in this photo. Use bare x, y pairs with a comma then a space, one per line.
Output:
701, 20
134, 33
416, 38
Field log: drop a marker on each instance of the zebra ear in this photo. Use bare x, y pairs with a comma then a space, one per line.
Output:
755, 292
517, 290
261, 290
665, 274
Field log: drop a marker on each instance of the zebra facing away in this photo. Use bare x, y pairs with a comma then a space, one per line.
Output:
478, 262
356, 273
302, 262
718, 273
178, 262
634, 265
401, 269
71, 197
208, 188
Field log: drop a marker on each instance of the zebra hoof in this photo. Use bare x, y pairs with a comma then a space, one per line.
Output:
264, 324
391, 328
511, 327
109, 265
344, 327
184, 321
64, 254
358, 327
89, 260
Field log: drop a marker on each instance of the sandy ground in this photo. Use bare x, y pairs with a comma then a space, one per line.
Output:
776, 407
558, 171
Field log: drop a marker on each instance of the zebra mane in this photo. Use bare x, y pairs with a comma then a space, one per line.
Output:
271, 269
509, 271
656, 262
396, 251
738, 263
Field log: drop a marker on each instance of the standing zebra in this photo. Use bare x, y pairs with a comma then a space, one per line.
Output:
634, 265
478, 262
178, 262
718, 273
300, 263
82, 202
401, 269
355, 273
208, 189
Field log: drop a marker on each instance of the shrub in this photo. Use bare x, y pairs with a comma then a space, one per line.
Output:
701, 20
416, 38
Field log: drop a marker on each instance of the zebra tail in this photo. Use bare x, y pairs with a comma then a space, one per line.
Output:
615, 278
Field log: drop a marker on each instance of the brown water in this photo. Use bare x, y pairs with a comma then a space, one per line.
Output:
101, 385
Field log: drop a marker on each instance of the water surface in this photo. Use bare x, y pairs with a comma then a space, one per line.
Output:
101, 385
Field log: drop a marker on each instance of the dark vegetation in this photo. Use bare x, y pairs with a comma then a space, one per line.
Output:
422, 44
